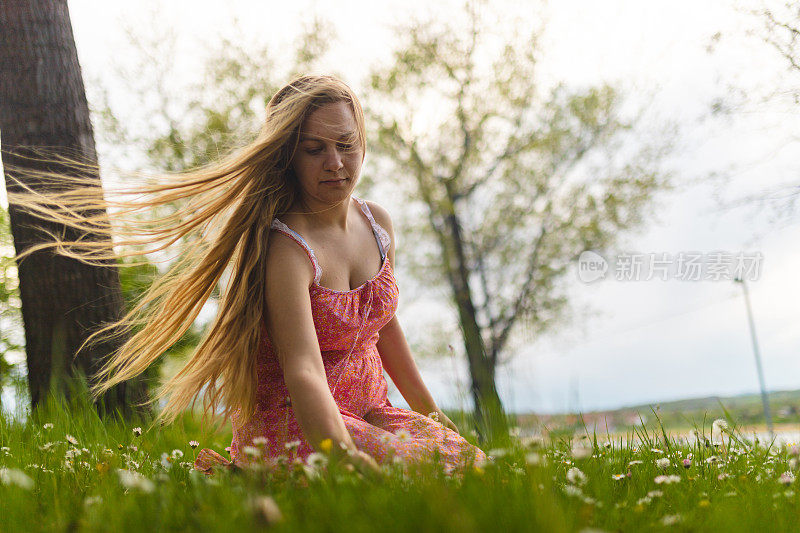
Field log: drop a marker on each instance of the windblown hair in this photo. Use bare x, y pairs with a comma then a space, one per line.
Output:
224, 215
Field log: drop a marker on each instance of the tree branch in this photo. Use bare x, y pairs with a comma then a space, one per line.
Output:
499, 339
486, 305
461, 114
511, 149
421, 173
783, 48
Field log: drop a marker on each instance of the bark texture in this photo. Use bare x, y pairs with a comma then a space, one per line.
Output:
43, 105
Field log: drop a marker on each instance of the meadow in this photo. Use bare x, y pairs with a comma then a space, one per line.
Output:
64, 469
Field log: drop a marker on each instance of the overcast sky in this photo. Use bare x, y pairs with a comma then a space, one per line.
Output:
630, 342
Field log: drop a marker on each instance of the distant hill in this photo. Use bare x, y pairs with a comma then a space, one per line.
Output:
744, 409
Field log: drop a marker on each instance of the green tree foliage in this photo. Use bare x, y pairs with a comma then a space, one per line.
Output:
514, 179
135, 280
220, 110
223, 108
11, 335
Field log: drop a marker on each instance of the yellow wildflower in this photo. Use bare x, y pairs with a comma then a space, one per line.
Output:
326, 445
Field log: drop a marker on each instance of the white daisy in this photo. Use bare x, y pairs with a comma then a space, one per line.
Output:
576, 476
135, 480
13, 476
670, 519
316, 460
251, 451
533, 458
265, 508
663, 463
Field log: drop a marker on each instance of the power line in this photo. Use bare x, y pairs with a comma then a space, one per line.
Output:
655, 321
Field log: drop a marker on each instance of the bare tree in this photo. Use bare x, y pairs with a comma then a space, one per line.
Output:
783, 34
777, 27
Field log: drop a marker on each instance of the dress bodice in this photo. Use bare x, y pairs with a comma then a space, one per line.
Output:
346, 322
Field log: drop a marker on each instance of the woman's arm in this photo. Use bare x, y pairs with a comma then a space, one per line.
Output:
399, 364
291, 329
394, 349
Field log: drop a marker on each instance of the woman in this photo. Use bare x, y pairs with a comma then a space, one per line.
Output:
305, 325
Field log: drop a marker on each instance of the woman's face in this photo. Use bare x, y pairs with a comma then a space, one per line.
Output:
328, 158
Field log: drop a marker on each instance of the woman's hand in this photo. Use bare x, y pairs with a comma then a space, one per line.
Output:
363, 462
438, 415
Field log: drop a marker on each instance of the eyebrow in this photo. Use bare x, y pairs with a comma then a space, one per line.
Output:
304, 137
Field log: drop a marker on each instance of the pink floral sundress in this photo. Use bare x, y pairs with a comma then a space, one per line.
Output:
347, 325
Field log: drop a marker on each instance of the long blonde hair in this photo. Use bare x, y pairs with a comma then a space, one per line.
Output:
226, 209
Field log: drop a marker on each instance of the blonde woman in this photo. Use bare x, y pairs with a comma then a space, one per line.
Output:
307, 323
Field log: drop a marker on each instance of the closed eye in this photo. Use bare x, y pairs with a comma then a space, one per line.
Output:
345, 147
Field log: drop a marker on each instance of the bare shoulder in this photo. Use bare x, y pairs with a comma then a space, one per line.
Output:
288, 314
287, 262
381, 216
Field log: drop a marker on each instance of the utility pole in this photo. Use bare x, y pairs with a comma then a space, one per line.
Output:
764, 398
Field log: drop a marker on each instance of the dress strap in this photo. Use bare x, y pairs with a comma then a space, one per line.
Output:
283, 228
381, 235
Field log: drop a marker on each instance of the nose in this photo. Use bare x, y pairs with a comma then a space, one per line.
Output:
334, 160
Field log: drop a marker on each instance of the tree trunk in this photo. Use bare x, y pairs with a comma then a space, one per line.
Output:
43, 105
490, 416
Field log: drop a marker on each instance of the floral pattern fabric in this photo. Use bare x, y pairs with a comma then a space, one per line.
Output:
347, 325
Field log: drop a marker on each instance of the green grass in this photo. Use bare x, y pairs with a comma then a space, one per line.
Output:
529, 486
